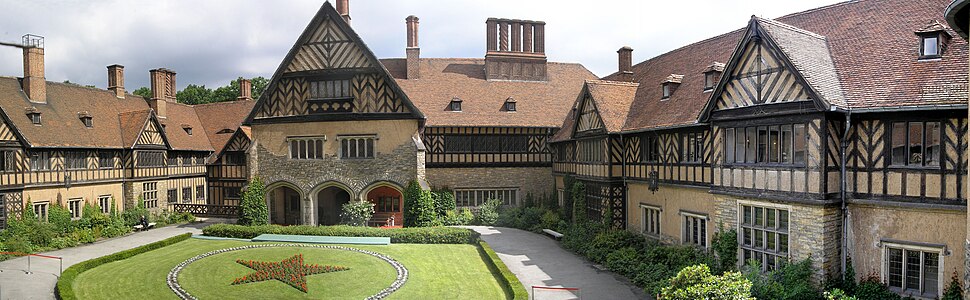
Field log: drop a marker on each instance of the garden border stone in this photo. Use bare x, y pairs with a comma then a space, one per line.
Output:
402, 272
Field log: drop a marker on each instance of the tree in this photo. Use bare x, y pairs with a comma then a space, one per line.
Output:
253, 206
194, 94
418, 206
697, 282
143, 91
579, 202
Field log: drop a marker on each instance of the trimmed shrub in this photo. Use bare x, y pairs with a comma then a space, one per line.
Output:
697, 282
444, 201
409, 235
488, 212
725, 246
65, 283
253, 206
356, 213
525, 218
419, 210
579, 202
510, 284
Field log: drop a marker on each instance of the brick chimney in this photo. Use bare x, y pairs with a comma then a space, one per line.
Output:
343, 8
625, 64
515, 50
34, 84
413, 51
116, 80
245, 89
163, 90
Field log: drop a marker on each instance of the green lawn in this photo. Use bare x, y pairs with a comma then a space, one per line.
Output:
435, 272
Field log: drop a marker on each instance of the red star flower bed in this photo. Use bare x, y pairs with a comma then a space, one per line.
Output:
291, 271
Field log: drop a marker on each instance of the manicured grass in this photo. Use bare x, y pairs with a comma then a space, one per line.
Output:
453, 271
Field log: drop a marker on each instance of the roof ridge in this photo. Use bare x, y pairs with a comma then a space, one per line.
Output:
789, 27
237, 100
813, 10
612, 82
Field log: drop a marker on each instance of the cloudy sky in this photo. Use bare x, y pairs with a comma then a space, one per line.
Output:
213, 41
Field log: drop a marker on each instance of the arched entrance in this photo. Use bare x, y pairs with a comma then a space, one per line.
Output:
329, 204
284, 206
388, 203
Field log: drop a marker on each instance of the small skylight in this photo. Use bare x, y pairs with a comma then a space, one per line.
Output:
510, 104
455, 104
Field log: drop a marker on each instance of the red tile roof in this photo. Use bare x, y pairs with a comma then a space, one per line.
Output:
219, 116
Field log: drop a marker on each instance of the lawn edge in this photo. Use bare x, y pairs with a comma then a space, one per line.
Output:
510, 284
65, 284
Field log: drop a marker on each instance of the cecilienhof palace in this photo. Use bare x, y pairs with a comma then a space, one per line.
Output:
834, 133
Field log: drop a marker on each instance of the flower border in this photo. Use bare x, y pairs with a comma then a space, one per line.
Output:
402, 272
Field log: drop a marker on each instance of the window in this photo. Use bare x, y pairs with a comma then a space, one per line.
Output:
510, 104
388, 204
106, 160
692, 147
562, 196
225, 131
915, 144
357, 147
172, 160
477, 197
233, 192
87, 122
104, 202
330, 89
764, 235
709, 81
487, 143
930, 46
34, 118
912, 270
149, 194
591, 150
40, 210
187, 194
172, 195
200, 193
455, 104
694, 230
236, 158
773, 144
306, 148
200, 159
666, 91
75, 160
651, 149
7, 161
650, 220
40, 161
150, 158
74, 206
188, 130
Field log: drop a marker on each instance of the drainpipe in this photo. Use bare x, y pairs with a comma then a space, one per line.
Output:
843, 186
626, 190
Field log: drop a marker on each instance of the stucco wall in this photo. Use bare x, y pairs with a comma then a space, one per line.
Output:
61, 194
672, 200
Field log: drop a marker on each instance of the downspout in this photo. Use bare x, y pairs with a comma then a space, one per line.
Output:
843, 186
626, 189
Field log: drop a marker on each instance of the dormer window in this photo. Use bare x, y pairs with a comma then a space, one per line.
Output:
225, 131
670, 85
712, 75
188, 129
33, 115
510, 104
455, 104
85, 119
666, 91
932, 40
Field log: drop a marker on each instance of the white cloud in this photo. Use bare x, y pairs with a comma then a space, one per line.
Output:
211, 42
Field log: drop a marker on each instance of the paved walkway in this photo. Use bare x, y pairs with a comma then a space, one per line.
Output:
538, 260
15, 283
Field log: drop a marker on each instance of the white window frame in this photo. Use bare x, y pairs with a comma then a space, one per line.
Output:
941, 252
645, 210
46, 209
562, 197
361, 153
150, 196
685, 231
40, 161
75, 211
740, 228
104, 202
310, 151
478, 196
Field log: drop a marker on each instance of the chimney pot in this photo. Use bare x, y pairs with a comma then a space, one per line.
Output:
343, 8
35, 84
625, 62
116, 80
245, 89
163, 90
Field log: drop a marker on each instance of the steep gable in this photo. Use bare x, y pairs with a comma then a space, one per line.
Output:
588, 120
331, 75
151, 134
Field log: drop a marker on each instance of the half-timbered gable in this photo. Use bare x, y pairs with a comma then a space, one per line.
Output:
229, 172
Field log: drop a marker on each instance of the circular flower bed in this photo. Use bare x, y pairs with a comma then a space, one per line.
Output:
402, 272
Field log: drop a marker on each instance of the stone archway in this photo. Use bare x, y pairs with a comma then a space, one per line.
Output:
388, 203
285, 207
330, 201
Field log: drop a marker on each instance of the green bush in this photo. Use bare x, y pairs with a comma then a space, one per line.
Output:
133, 215
60, 218
725, 246
872, 288
356, 213
953, 290
455, 218
65, 283
444, 201
790, 281
511, 284
697, 282
624, 261
408, 235
577, 237
488, 212
549, 220
419, 207
579, 202
525, 218
253, 206
612, 240
837, 294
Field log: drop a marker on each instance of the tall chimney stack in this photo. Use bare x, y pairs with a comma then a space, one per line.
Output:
116, 80
515, 50
343, 8
245, 89
34, 85
412, 50
163, 90
625, 64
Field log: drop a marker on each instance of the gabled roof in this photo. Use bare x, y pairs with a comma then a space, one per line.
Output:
809, 54
178, 118
219, 116
612, 101
538, 103
132, 123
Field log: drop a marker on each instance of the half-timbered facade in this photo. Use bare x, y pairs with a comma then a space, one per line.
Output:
805, 144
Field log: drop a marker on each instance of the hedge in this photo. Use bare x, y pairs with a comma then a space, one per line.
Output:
65, 285
408, 235
511, 284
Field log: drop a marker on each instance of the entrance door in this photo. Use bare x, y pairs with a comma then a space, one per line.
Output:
285, 206
330, 202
